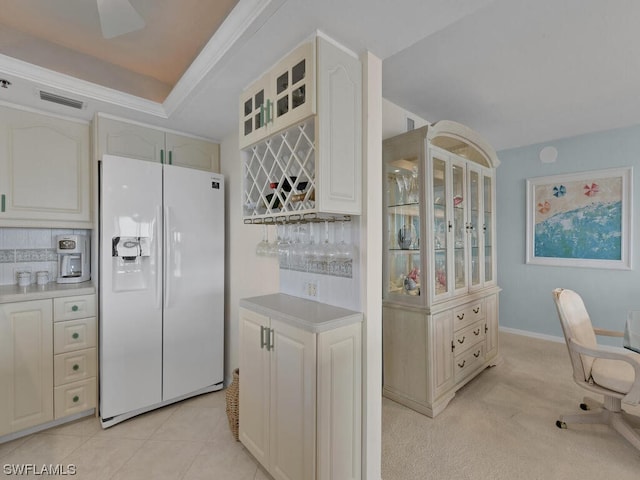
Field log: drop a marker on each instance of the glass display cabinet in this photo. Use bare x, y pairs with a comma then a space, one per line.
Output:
440, 295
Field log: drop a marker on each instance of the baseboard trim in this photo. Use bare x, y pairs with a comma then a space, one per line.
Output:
526, 333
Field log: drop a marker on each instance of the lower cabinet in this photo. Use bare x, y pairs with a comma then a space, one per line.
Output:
47, 361
26, 365
300, 398
428, 357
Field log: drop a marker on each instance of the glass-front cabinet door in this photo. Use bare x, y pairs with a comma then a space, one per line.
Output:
487, 228
403, 172
460, 225
474, 226
441, 225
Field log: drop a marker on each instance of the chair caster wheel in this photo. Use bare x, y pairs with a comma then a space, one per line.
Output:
584, 406
560, 424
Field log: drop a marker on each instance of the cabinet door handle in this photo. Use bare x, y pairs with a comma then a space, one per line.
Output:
74, 308
269, 118
76, 399
75, 367
262, 122
262, 342
270, 345
170, 157
161, 155
450, 226
461, 341
75, 336
453, 347
486, 329
3, 206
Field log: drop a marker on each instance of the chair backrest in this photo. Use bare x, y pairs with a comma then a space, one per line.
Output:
576, 324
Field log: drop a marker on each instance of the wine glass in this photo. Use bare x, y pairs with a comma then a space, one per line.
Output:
344, 255
400, 183
273, 246
284, 247
328, 251
310, 250
263, 246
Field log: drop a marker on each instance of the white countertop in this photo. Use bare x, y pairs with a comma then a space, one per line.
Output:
307, 314
14, 293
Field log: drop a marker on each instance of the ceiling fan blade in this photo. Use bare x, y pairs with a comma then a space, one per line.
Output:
118, 17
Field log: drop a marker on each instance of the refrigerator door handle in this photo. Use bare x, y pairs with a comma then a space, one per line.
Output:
158, 245
167, 256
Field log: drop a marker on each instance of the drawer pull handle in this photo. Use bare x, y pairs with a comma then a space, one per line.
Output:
462, 364
453, 347
76, 367
76, 399
75, 336
476, 332
460, 317
74, 308
476, 310
477, 354
461, 341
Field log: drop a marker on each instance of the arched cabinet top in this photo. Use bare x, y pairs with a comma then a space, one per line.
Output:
462, 140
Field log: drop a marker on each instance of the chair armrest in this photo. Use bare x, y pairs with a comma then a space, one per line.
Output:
614, 353
608, 333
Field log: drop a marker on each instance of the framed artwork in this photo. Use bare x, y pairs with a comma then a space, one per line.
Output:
581, 219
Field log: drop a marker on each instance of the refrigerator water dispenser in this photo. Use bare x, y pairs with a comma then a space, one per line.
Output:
131, 263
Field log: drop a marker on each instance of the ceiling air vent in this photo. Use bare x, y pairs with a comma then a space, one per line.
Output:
67, 102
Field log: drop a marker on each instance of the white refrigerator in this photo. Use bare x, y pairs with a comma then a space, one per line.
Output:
161, 285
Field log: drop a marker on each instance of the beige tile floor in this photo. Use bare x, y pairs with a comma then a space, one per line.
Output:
190, 440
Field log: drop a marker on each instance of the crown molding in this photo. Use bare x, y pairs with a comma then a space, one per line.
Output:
232, 29
74, 86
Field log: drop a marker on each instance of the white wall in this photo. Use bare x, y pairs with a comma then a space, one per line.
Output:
394, 119
246, 274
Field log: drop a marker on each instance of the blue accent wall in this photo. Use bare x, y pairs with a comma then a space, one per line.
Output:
526, 302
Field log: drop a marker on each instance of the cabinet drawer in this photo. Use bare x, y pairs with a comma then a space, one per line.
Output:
74, 398
74, 335
468, 361
465, 338
467, 314
74, 366
69, 308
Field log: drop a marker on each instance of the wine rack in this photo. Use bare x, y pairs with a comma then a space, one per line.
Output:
280, 174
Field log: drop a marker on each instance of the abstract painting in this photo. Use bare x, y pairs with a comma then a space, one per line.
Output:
581, 219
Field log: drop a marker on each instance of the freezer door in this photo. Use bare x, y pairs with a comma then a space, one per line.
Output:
194, 280
130, 286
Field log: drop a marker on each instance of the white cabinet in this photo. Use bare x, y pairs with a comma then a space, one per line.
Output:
44, 171
26, 365
115, 137
300, 396
300, 135
48, 361
440, 316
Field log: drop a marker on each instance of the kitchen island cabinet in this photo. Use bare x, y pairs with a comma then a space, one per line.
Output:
48, 360
300, 387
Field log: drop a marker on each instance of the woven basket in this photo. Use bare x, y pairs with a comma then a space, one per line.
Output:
233, 409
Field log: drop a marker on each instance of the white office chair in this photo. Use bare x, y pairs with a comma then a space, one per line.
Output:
609, 371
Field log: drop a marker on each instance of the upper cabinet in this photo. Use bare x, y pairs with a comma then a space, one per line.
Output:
282, 97
115, 137
44, 171
301, 135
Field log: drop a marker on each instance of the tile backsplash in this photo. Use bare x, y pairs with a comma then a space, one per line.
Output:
31, 250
